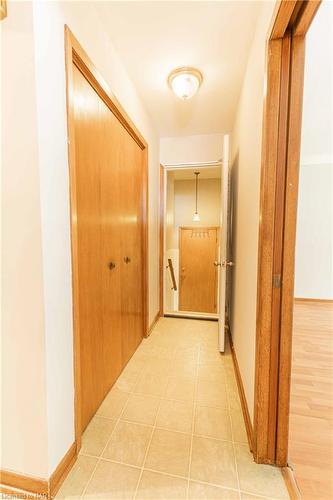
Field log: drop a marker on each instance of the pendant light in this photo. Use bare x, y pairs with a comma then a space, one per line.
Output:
196, 217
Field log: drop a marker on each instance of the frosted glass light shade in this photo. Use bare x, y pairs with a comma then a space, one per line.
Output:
185, 82
196, 217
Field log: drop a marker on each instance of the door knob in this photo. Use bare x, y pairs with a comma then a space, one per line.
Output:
230, 263
217, 263
112, 265
127, 260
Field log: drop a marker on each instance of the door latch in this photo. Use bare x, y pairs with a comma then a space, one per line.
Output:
276, 280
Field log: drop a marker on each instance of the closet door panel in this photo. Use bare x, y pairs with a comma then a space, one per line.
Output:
131, 245
111, 256
90, 276
108, 181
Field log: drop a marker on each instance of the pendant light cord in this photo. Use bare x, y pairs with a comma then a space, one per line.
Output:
196, 191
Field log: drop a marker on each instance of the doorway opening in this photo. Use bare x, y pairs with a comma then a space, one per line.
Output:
311, 398
192, 239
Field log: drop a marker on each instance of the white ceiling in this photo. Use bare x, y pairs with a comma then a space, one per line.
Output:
188, 173
152, 38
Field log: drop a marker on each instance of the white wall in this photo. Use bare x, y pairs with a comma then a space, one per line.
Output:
191, 148
209, 196
317, 123
170, 211
23, 374
35, 57
49, 21
245, 178
314, 244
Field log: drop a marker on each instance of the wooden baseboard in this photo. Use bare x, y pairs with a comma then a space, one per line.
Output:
8, 492
245, 410
28, 484
155, 320
306, 299
22, 486
61, 472
289, 479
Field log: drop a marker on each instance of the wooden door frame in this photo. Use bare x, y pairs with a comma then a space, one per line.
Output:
281, 140
75, 55
217, 228
161, 235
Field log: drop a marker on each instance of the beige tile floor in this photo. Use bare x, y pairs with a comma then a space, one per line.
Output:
172, 427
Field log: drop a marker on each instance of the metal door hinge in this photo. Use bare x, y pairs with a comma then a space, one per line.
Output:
276, 280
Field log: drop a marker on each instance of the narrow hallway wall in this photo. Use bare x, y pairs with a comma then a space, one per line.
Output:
38, 423
23, 364
245, 179
83, 21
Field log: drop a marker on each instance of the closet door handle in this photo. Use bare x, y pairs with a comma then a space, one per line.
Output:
112, 265
127, 260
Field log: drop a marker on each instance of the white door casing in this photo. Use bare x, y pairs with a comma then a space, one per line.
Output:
223, 263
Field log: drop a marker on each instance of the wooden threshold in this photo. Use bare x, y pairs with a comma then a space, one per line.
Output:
184, 315
306, 299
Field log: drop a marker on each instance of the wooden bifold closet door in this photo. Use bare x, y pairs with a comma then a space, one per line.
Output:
109, 241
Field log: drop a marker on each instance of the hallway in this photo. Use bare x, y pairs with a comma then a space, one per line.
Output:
172, 427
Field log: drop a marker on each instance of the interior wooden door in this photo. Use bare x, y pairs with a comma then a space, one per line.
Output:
197, 272
101, 144
109, 158
131, 245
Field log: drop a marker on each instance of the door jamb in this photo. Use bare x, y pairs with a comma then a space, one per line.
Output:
281, 139
161, 231
164, 169
75, 55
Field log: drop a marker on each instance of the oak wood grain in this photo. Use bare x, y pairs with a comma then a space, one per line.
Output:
198, 249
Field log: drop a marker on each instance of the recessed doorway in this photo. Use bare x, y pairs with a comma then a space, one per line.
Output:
192, 212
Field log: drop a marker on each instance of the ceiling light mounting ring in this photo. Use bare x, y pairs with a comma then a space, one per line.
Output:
185, 81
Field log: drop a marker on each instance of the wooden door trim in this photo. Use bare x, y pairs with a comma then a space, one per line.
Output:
75, 55
161, 234
282, 123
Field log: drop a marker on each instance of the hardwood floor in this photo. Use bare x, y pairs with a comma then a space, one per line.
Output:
311, 406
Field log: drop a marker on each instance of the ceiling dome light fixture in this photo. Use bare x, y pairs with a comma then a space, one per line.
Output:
185, 82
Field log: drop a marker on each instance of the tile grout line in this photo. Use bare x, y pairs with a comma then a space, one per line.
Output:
193, 420
160, 399
169, 474
204, 405
149, 443
109, 439
233, 445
